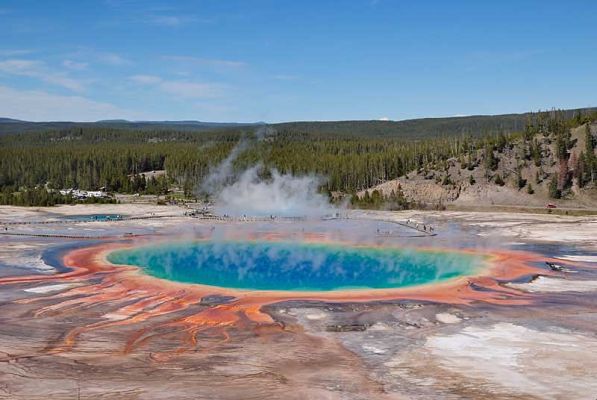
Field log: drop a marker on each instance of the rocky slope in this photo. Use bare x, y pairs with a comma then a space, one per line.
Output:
517, 179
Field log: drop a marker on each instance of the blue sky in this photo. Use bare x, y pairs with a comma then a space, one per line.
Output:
267, 60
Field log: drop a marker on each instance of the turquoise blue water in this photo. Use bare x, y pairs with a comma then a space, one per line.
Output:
265, 265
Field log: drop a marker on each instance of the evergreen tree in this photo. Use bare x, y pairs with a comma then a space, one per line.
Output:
554, 191
590, 161
491, 161
535, 150
520, 181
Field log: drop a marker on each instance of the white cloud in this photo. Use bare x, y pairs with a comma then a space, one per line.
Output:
14, 52
166, 20
36, 105
63, 81
146, 79
113, 59
38, 70
74, 65
384, 119
18, 66
283, 77
183, 89
98, 56
171, 21
210, 62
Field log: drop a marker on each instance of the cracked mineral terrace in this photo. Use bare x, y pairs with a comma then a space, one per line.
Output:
73, 325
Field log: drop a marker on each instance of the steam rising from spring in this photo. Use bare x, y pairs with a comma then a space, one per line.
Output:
249, 194
283, 195
223, 174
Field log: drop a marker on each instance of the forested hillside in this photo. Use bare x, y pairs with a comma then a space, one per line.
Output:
8, 125
552, 161
476, 125
93, 157
407, 129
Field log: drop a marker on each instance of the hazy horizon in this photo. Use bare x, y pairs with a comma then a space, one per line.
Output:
290, 121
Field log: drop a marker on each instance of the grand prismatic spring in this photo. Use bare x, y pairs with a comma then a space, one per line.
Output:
359, 307
287, 266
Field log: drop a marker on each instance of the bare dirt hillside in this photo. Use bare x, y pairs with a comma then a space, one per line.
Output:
523, 173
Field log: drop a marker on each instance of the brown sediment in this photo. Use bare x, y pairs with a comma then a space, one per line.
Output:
147, 297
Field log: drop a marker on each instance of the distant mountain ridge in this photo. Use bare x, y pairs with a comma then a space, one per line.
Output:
474, 125
10, 125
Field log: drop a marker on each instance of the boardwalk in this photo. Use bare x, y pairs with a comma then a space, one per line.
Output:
62, 236
85, 221
425, 230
